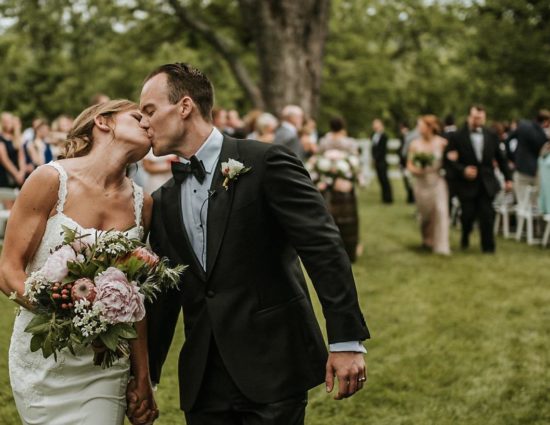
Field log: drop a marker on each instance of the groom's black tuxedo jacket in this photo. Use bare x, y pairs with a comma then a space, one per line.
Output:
486, 180
252, 300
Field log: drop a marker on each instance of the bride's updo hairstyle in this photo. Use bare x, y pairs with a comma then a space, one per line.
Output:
80, 138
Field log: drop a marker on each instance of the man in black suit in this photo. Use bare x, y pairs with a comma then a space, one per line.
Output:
530, 136
253, 346
379, 152
470, 157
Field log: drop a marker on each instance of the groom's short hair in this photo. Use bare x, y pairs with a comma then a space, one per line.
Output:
185, 80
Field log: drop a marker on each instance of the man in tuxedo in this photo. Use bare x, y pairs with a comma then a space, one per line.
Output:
287, 134
253, 346
470, 157
531, 137
379, 152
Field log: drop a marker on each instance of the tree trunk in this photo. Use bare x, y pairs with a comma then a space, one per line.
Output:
290, 40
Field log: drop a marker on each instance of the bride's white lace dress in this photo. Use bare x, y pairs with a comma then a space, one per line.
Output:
71, 391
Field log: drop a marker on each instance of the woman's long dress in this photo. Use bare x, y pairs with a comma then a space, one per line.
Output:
71, 391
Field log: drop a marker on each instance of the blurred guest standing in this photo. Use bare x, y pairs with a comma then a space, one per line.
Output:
530, 136
425, 162
287, 133
38, 151
404, 131
544, 176
471, 154
11, 163
379, 151
264, 129
341, 197
309, 137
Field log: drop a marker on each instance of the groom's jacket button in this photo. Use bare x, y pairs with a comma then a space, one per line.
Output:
210, 294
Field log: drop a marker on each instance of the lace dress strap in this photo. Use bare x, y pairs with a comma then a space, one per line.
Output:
62, 192
138, 203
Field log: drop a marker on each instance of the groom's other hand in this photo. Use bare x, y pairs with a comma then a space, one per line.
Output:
351, 371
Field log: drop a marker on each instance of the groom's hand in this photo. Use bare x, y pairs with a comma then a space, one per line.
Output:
351, 371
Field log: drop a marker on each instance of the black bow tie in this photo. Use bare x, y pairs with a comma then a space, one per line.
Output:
181, 171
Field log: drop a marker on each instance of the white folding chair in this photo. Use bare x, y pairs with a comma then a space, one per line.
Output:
504, 208
546, 235
527, 212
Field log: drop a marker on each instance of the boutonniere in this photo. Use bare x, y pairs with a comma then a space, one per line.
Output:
231, 170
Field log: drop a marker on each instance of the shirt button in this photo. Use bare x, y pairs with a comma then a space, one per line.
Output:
210, 294
194, 190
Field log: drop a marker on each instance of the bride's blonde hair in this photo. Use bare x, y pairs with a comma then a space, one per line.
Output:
80, 138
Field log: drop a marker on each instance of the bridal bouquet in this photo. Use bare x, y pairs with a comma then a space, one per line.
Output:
91, 291
331, 165
423, 159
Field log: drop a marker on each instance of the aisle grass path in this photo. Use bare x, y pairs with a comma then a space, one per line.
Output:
460, 340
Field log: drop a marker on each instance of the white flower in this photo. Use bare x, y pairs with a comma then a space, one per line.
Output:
232, 168
343, 166
324, 164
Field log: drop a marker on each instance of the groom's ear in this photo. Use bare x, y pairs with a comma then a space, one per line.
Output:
186, 106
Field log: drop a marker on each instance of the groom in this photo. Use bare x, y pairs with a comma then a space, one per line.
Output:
253, 346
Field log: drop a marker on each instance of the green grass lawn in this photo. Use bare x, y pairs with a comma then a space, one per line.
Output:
459, 340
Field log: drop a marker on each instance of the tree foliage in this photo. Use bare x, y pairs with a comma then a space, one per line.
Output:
394, 59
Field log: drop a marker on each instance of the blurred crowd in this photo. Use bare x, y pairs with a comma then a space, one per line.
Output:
447, 170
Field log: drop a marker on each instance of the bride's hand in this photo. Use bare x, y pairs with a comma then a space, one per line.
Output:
142, 408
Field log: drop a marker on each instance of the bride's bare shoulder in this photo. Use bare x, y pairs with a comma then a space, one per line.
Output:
40, 190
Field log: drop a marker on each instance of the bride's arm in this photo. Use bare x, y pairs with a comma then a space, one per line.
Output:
141, 403
25, 229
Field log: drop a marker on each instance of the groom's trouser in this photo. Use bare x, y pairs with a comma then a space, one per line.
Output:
220, 402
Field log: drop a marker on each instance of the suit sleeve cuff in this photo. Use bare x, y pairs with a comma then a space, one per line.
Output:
356, 346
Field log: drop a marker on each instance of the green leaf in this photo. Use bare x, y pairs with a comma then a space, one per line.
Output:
126, 331
110, 338
37, 341
47, 348
40, 323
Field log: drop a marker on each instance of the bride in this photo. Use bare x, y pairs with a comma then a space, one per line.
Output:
87, 191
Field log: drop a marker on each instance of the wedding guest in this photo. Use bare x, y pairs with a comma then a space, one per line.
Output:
425, 163
11, 161
158, 170
99, 98
530, 137
544, 179
250, 123
292, 120
404, 131
450, 126
58, 133
235, 126
219, 118
471, 155
341, 197
265, 127
38, 152
308, 137
379, 152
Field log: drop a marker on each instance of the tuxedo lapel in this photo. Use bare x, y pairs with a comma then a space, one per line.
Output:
219, 205
173, 219
486, 147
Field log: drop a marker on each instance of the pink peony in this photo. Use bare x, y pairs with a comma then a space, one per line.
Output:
121, 299
55, 268
148, 257
83, 289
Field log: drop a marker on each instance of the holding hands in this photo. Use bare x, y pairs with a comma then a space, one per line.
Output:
142, 408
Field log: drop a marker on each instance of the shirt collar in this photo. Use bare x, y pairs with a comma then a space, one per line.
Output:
210, 150
289, 126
